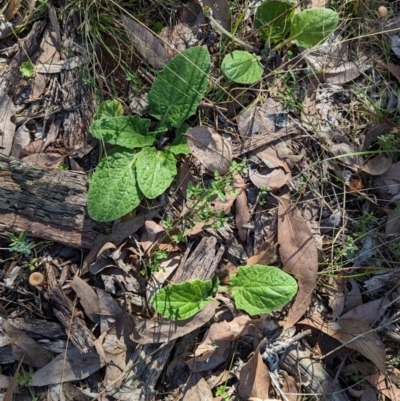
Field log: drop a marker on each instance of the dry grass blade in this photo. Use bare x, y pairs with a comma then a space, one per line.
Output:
299, 256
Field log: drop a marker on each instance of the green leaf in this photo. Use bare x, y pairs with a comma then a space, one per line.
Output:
181, 301
180, 86
242, 67
27, 69
262, 289
129, 132
113, 191
110, 108
155, 171
273, 18
313, 26
179, 145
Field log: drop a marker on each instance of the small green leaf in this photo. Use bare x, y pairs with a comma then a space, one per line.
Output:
181, 301
273, 18
113, 191
180, 86
110, 108
27, 69
312, 26
262, 289
129, 132
155, 171
242, 67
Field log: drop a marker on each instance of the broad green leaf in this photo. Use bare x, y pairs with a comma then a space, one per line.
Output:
27, 69
113, 191
110, 108
179, 145
155, 171
242, 67
312, 26
181, 301
129, 132
180, 86
273, 18
262, 289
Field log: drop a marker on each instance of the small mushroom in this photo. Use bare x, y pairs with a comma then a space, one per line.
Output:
36, 279
382, 12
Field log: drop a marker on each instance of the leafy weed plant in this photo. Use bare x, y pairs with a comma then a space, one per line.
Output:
277, 23
256, 289
137, 168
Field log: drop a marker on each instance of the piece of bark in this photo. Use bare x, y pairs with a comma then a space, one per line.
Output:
39, 328
64, 310
148, 361
298, 363
45, 203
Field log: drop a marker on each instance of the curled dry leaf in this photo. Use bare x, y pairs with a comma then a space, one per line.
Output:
369, 312
266, 255
346, 72
299, 256
211, 149
377, 165
353, 334
254, 377
217, 334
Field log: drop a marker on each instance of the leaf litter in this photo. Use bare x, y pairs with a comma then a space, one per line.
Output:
266, 230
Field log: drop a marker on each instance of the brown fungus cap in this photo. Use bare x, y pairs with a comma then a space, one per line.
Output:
36, 279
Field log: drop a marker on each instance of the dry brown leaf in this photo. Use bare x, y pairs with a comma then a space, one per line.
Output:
219, 332
368, 312
274, 179
384, 386
24, 347
254, 377
185, 176
353, 334
148, 331
394, 69
12, 9
299, 256
22, 139
146, 43
242, 215
48, 160
346, 72
197, 389
7, 128
309, 115
211, 149
377, 165
69, 366
87, 298
290, 387
265, 256
393, 223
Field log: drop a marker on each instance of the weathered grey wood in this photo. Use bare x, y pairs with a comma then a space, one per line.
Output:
10, 76
148, 361
311, 373
46, 203
74, 326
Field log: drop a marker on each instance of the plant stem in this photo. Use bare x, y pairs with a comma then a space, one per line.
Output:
208, 13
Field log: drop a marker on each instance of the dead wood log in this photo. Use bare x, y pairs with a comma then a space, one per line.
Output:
148, 361
311, 373
45, 203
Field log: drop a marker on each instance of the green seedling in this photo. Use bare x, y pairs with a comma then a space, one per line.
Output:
27, 69
20, 244
278, 23
136, 168
256, 289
